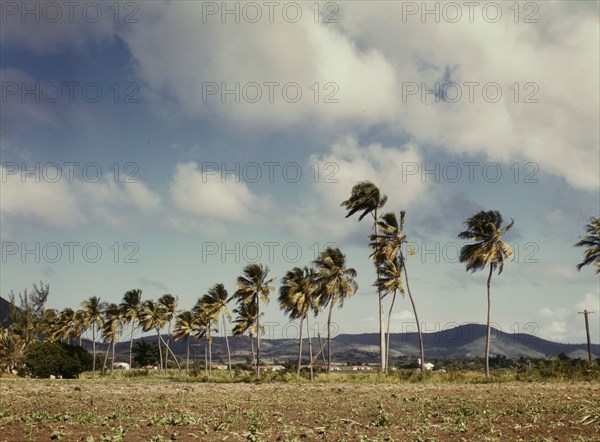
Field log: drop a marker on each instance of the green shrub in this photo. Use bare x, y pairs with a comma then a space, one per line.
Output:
43, 359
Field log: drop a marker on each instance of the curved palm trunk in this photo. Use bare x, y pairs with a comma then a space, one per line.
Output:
300, 348
487, 338
329, 337
167, 346
412, 301
257, 336
227, 344
105, 358
310, 352
387, 345
159, 349
172, 354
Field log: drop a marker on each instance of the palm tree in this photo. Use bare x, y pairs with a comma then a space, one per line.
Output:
215, 304
63, 329
335, 282
485, 228
111, 330
92, 308
296, 298
366, 197
207, 318
184, 323
253, 286
387, 249
592, 242
169, 302
247, 321
199, 330
130, 308
154, 315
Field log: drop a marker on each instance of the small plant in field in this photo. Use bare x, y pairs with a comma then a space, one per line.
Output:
57, 435
174, 419
382, 419
252, 434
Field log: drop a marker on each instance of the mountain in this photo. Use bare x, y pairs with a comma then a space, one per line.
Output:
458, 342
4, 311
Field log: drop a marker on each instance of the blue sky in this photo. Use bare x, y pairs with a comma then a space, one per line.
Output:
180, 142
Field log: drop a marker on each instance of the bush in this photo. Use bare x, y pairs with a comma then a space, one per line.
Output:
43, 359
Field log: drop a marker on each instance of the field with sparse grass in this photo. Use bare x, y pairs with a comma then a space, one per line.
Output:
155, 409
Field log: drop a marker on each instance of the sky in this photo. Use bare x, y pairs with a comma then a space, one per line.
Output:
165, 145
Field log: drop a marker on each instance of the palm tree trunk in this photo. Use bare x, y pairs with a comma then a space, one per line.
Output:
329, 336
487, 337
310, 354
321, 352
412, 301
105, 358
94, 350
172, 354
112, 365
167, 346
300, 348
227, 344
387, 345
382, 345
252, 348
209, 348
206, 356
257, 336
131, 344
159, 349
187, 365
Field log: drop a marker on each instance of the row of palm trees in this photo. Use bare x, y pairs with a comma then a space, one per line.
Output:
304, 291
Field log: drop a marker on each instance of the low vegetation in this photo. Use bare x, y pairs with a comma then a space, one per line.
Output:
157, 410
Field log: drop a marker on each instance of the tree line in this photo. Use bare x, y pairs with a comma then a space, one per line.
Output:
304, 292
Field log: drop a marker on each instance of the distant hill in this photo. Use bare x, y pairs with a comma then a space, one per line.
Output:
459, 342
4, 311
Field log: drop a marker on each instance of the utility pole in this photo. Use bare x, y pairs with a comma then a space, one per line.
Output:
585, 313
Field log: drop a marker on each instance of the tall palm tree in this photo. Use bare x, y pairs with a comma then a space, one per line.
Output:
215, 304
485, 228
366, 197
184, 323
93, 318
592, 242
169, 302
130, 308
296, 298
111, 330
154, 316
253, 286
206, 316
335, 282
247, 321
387, 249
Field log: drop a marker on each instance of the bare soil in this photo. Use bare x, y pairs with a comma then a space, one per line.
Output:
145, 411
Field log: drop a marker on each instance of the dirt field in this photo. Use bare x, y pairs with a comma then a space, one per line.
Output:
143, 411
